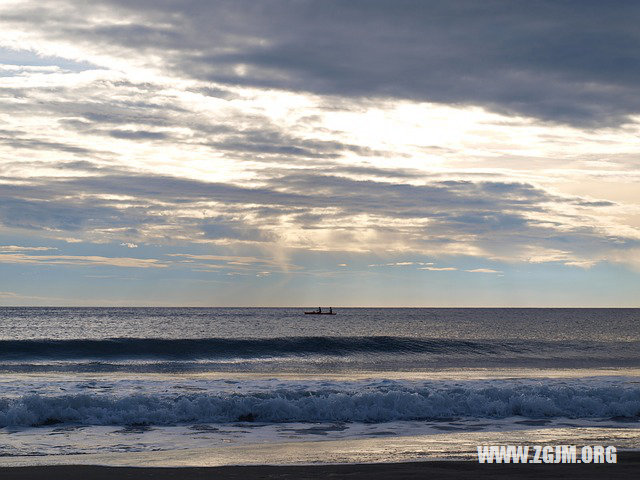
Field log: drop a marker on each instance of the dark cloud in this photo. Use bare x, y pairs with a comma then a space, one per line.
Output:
376, 172
64, 215
405, 200
225, 228
501, 218
269, 141
563, 61
138, 134
77, 165
38, 144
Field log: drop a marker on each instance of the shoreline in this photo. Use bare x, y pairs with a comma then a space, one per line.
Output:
627, 466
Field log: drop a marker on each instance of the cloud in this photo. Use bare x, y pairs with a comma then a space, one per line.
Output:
483, 270
503, 220
225, 228
439, 269
560, 61
16, 297
86, 260
36, 144
399, 264
323, 127
138, 134
18, 248
13, 298
236, 261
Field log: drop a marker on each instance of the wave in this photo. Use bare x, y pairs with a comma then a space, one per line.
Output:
212, 348
366, 404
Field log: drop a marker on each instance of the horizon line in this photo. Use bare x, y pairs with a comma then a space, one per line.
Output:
330, 306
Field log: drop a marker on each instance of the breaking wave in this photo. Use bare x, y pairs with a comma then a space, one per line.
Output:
363, 404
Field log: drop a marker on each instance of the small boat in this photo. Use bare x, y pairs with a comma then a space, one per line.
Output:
320, 312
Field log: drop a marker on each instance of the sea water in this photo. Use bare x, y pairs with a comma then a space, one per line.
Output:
190, 386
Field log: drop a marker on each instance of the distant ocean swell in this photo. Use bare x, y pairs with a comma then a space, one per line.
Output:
366, 404
213, 348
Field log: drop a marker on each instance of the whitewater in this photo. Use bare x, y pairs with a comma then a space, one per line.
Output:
305, 401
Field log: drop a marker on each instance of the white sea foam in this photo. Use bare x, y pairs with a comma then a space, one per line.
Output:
280, 402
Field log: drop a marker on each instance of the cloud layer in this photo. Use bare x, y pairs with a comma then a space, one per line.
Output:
412, 134
566, 61
307, 209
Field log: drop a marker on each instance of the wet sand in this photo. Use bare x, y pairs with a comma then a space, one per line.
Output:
628, 466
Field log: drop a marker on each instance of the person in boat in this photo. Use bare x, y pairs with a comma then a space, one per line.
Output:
319, 310
330, 310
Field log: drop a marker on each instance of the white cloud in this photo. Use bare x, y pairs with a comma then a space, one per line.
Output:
483, 270
17, 248
439, 269
84, 260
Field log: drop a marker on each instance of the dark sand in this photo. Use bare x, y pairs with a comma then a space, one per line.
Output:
628, 467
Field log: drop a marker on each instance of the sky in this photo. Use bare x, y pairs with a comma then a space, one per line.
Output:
305, 153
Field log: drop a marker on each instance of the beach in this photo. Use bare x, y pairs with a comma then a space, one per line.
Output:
626, 468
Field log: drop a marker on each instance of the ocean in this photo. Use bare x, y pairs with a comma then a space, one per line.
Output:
215, 386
